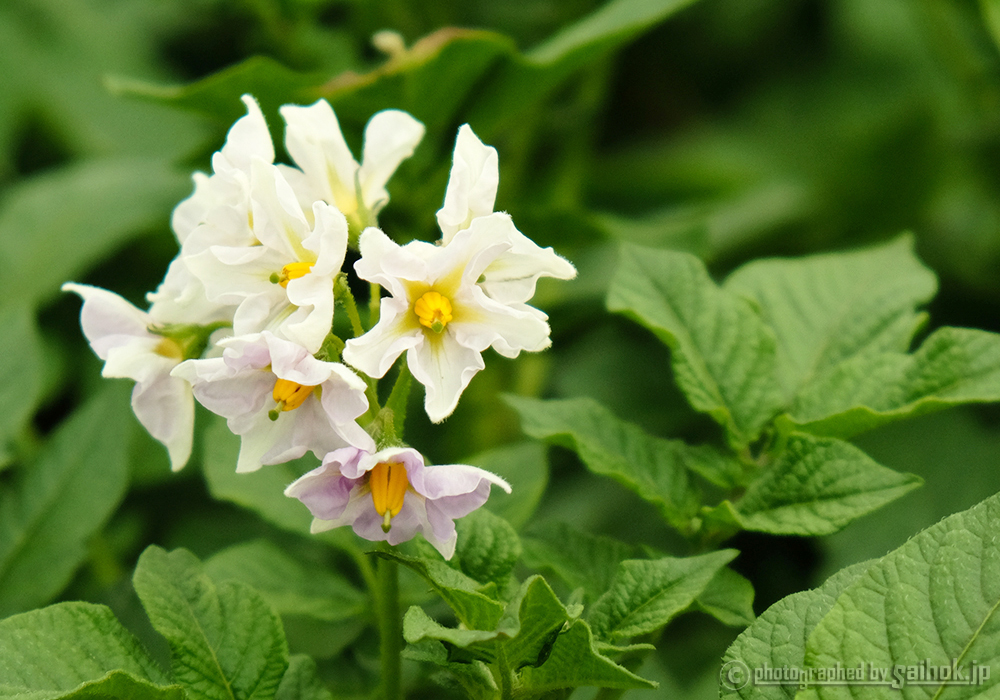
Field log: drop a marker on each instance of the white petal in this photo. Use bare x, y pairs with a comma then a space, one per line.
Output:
390, 137
248, 138
508, 328
107, 319
165, 407
472, 185
376, 351
385, 262
278, 220
316, 144
445, 368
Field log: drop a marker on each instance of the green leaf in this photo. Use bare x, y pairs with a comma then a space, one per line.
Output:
728, 598
722, 354
474, 608
51, 652
488, 548
301, 682
991, 16
816, 487
935, 601
418, 625
646, 595
21, 371
825, 309
289, 585
574, 661
778, 637
50, 511
225, 641
580, 559
655, 468
524, 467
84, 211
532, 621
953, 366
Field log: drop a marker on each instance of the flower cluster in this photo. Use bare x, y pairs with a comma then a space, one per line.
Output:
243, 320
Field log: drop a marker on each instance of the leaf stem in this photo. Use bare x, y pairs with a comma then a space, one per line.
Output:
390, 625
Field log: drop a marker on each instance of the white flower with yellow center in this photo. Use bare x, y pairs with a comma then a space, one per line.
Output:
391, 495
329, 171
438, 314
284, 281
119, 334
279, 399
471, 194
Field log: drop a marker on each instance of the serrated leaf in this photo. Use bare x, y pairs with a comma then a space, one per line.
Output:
934, 601
53, 651
655, 468
825, 309
464, 595
646, 594
574, 662
488, 548
418, 626
21, 371
524, 467
722, 353
728, 598
48, 514
531, 622
580, 559
301, 681
85, 211
816, 487
953, 366
778, 639
289, 585
226, 643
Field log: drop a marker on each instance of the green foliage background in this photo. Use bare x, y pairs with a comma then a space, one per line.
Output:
731, 129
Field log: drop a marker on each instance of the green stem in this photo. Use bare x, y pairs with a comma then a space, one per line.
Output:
390, 626
375, 303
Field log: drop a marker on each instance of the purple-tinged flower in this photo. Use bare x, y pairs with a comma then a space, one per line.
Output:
391, 495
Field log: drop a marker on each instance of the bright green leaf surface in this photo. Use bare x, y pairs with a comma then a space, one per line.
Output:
574, 662
50, 652
722, 354
225, 641
953, 366
300, 681
20, 372
825, 309
531, 621
85, 212
474, 609
48, 513
655, 468
778, 639
488, 548
816, 487
646, 595
728, 598
418, 625
934, 600
290, 586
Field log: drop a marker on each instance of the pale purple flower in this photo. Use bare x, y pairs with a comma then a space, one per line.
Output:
390, 495
119, 334
279, 399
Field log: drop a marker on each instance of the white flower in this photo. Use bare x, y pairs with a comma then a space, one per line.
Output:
390, 495
279, 399
437, 312
284, 282
329, 171
119, 334
226, 191
471, 193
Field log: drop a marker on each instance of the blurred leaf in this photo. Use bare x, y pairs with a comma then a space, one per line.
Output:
778, 639
953, 366
524, 467
488, 547
728, 598
57, 225
49, 513
225, 641
290, 586
722, 354
646, 594
828, 308
20, 372
816, 487
301, 682
76, 650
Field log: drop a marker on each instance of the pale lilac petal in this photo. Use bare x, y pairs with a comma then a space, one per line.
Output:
293, 362
445, 368
324, 491
472, 184
447, 480
390, 137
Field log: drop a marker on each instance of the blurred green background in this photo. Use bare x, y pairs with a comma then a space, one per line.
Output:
733, 129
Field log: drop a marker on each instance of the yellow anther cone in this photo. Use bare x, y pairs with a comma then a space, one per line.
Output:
388, 483
433, 310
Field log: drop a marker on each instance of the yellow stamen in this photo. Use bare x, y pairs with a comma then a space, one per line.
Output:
433, 310
288, 395
388, 483
292, 271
